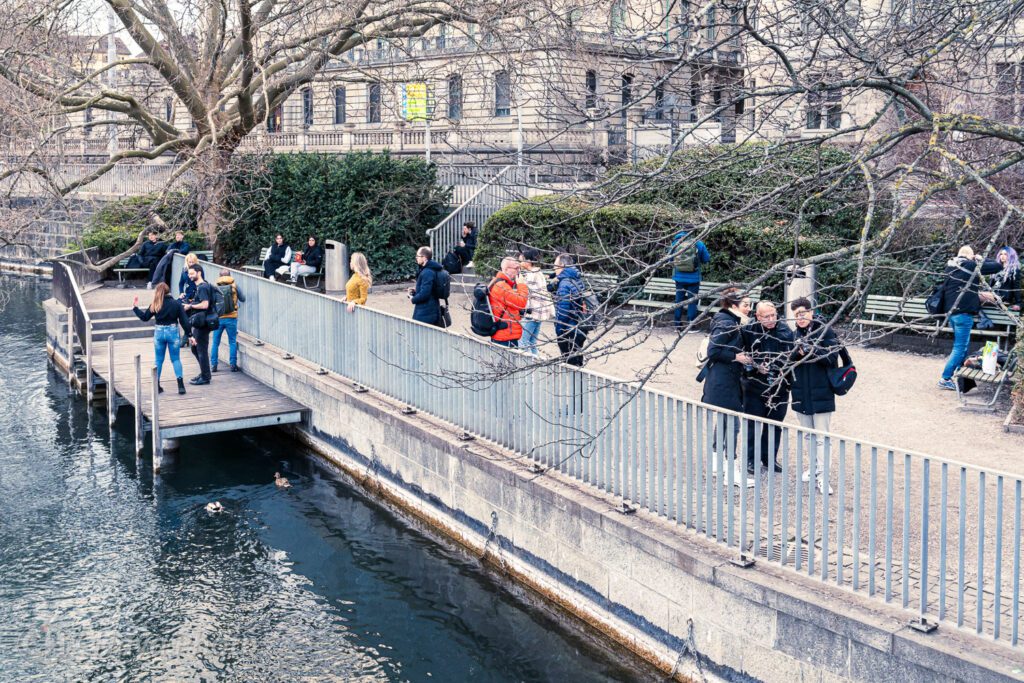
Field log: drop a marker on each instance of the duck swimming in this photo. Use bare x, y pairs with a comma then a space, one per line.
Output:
215, 506
281, 482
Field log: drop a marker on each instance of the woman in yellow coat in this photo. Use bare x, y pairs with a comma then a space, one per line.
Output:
357, 289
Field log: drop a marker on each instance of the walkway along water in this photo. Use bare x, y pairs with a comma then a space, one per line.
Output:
933, 536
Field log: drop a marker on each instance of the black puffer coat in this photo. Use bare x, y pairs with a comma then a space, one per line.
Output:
812, 393
960, 289
722, 385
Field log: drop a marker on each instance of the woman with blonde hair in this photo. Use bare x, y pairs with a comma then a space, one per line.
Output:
357, 289
187, 288
169, 314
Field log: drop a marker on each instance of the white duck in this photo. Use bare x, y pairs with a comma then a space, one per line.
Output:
281, 482
215, 506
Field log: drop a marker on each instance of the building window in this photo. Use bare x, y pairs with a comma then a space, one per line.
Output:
591, 99
824, 110
502, 94
618, 17
442, 36
339, 106
711, 24
307, 107
88, 120
735, 21
275, 119
168, 109
659, 102
574, 16
684, 19
627, 92
716, 101
455, 97
373, 103
694, 98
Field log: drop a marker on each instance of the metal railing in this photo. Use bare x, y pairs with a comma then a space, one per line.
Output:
67, 292
932, 535
478, 207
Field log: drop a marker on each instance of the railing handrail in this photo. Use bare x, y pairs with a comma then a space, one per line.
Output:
497, 176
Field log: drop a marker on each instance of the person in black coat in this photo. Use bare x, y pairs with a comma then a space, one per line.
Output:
765, 382
961, 302
310, 262
815, 350
1006, 283
427, 308
169, 314
278, 258
467, 245
148, 255
724, 371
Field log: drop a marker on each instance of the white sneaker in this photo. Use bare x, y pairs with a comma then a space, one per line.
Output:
739, 475
149, 285
273, 278
714, 464
820, 481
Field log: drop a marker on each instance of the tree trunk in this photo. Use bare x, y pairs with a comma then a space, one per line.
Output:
213, 187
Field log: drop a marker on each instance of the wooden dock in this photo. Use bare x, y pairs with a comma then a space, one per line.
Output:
232, 400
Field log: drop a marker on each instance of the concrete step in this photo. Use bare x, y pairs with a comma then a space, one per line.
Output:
124, 322
105, 313
123, 333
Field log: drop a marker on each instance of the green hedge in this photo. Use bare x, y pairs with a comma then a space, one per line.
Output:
373, 203
115, 227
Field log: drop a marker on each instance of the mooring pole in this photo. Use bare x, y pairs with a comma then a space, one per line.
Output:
71, 345
139, 435
154, 424
88, 364
111, 392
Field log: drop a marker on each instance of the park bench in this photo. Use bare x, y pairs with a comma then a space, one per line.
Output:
898, 313
257, 268
660, 293
1003, 376
124, 271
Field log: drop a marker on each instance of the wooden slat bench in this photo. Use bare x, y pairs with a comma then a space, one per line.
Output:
1004, 376
897, 313
123, 271
660, 292
257, 268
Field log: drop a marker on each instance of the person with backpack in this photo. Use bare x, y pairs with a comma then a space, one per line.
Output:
687, 255
203, 318
508, 299
227, 316
961, 302
427, 294
570, 294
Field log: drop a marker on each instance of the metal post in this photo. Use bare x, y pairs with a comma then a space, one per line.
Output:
158, 447
139, 435
71, 345
88, 363
427, 138
111, 392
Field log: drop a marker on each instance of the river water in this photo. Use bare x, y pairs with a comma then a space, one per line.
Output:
106, 574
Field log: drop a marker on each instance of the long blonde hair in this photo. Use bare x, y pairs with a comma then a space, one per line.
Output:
191, 259
362, 267
159, 292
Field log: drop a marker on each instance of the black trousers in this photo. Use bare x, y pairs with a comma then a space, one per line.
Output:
465, 254
202, 351
137, 261
570, 341
771, 408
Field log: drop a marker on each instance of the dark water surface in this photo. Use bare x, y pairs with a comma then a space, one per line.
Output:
108, 575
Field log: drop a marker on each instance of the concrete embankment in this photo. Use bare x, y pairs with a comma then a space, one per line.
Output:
662, 591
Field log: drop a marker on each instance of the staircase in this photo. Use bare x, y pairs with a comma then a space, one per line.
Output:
119, 324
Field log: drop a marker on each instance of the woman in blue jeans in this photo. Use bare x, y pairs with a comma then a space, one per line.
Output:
960, 300
168, 314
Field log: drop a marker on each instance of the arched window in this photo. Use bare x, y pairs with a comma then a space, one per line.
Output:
455, 97
591, 100
373, 103
502, 94
168, 109
339, 106
307, 107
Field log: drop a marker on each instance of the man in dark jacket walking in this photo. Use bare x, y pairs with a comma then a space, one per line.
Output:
688, 254
961, 302
765, 383
427, 307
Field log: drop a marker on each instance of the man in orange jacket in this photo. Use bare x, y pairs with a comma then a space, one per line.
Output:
508, 299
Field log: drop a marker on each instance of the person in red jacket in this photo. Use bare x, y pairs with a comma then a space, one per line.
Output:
508, 299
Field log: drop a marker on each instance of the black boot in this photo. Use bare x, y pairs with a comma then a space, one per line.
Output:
213, 368
181, 385
159, 389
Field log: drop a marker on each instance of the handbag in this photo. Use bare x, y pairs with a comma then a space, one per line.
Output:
842, 378
934, 303
446, 316
198, 320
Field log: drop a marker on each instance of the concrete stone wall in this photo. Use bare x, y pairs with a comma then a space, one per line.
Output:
660, 590
50, 231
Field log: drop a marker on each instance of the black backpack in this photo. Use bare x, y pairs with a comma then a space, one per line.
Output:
226, 303
442, 285
481, 319
452, 263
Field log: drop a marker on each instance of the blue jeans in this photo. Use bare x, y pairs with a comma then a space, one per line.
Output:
531, 330
165, 338
229, 325
684, 291
961, 324
508, 343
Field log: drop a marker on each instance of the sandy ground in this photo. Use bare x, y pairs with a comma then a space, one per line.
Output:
894, 403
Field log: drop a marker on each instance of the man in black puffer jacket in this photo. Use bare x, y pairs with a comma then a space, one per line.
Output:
765, 383
427, 308
960, 301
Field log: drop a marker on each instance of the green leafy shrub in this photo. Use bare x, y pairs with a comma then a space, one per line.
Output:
373, 203
115, 227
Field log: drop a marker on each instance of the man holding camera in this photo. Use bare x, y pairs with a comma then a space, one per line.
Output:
765, 384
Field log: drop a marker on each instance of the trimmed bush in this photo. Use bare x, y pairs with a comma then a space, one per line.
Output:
116, 226
373, 203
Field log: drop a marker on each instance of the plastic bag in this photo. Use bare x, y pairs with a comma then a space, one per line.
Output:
989, 358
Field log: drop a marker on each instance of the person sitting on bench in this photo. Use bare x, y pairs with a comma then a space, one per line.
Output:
309, 261
278, 257
148, 256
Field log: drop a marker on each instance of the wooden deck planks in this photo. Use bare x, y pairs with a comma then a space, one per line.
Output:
230, 397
